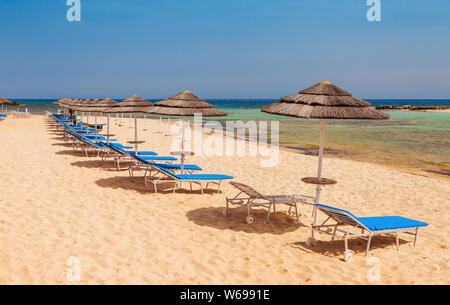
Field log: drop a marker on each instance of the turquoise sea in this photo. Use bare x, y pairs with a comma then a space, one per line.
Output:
412, 140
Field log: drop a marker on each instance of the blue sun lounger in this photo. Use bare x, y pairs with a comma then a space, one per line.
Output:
164, 175
190, 168
369, 226
142, 162
122, 154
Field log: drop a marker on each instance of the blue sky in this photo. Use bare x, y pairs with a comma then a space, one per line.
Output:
223, 49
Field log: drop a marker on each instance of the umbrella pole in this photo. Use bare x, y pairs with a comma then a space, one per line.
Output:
135, 133
96, 128
107, 138
319, 169
182, 148
168, 126
87, 123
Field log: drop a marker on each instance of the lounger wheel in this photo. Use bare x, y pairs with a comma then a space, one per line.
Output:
249, 220
311, 242
226, 212
348, 256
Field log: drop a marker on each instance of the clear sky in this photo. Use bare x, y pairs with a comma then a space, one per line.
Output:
223, 48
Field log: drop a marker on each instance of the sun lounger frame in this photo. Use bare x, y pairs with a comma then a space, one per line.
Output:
353, 224
249, 198
155, 180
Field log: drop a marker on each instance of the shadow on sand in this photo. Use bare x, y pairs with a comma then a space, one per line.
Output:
358, 246
70, 153
279, 223
107, 165
137, 184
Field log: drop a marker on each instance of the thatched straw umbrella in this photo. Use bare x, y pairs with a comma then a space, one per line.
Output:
100, 107
62, 103
5, 102
91, 106
185, 104
78, 105
324, 101
132, 105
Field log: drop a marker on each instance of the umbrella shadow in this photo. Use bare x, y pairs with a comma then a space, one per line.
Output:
279, 223
337, 248
70, 152
58, 138
63, 144
105, 164
137, 184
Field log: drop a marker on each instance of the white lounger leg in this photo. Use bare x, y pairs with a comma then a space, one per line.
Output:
368, 244
175, 187
415, 238
268, 212
334, 234
396, 241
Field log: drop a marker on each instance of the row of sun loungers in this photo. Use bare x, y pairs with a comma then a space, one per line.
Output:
339, 224
158, 169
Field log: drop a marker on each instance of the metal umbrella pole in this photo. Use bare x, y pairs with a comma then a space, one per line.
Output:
107, 121
319, 170
182, 148
87, 122
168, 126
96, 127
135, 133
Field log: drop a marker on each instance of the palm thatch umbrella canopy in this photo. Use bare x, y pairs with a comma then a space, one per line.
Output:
62, 103
135, 105
78, 105
65, 101
185, 104
97, 106
4, 101
324, 101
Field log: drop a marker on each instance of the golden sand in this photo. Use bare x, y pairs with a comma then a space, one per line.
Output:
56, 204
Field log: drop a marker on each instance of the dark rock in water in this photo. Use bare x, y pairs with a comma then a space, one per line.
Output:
413, 108
385, 107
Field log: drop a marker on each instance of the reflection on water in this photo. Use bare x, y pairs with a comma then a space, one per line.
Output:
418, 140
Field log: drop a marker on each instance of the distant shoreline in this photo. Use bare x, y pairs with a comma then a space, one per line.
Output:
442, 108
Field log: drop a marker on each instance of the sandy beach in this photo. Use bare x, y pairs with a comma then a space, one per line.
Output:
56, 204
